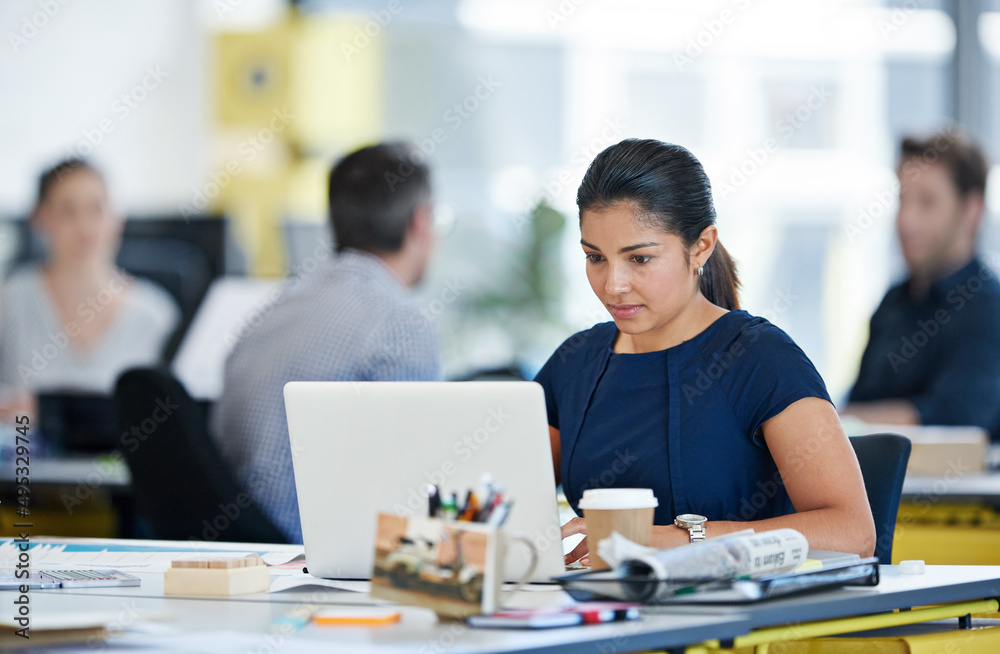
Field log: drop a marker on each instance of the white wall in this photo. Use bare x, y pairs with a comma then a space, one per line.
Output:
66, 79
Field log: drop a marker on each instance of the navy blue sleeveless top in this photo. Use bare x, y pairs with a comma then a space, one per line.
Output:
684, 421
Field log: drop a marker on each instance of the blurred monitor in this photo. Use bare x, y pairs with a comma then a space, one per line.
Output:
307, 244
73, 422
10, 242
505, 373
232, 308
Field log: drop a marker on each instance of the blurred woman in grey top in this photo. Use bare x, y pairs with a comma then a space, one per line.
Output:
76, 321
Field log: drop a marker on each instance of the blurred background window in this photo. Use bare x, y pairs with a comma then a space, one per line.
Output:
238, 108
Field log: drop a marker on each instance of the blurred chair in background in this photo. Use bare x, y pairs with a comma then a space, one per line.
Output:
883, 459
182, 486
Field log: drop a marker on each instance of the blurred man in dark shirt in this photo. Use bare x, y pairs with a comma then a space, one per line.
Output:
933, 354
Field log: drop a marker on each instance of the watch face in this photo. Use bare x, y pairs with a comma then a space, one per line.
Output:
691, 519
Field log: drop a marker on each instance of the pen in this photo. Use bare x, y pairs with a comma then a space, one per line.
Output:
601, 614
294, 620
499, 515
491, 506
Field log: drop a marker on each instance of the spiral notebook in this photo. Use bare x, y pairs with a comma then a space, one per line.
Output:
607, 584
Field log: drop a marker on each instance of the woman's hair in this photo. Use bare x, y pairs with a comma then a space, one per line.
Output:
54, 174
668, 189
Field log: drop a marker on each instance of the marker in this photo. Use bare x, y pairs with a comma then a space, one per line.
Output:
433, 501
487, 489
471, 511
448, 508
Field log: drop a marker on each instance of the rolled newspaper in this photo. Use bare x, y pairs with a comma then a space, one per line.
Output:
716, 559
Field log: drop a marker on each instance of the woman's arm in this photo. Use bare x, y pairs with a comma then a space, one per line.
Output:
556, 450
821, 474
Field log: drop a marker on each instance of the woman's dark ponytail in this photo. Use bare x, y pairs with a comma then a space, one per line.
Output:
669, 189
719, 281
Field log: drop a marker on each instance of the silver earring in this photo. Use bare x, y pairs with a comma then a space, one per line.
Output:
701, 271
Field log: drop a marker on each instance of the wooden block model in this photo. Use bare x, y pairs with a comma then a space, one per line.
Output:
217, 575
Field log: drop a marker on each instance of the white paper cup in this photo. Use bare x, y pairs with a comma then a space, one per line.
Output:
629, 511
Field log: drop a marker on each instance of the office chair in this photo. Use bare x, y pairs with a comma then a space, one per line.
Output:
883, 459
182, 486
177, 267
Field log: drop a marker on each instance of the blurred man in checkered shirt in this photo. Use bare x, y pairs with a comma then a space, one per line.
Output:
352, 319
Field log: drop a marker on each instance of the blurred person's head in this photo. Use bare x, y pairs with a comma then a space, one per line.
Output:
647, 224
380, 202
74, 217
942, 185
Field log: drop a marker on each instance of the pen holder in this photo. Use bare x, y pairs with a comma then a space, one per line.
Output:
454, 568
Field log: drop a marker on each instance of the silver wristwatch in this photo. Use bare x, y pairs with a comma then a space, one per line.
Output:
695, 524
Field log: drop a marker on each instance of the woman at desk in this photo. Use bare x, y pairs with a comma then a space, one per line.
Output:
76, 321
717, 411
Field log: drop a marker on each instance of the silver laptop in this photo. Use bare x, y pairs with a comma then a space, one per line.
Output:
361, 448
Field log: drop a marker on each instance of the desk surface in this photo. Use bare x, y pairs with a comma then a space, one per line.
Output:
107, 471
219, 626
239, 624
957, 486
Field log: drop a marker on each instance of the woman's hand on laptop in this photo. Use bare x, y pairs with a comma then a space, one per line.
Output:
572, 528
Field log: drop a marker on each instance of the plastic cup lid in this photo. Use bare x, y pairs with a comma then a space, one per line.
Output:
618, 498
911, 567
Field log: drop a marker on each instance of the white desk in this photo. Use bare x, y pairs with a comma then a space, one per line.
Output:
239, 624
982, 487
95, 472
219, 626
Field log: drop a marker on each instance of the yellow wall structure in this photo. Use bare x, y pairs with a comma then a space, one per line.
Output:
337, 87
62, 511
947, 534
289, 100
